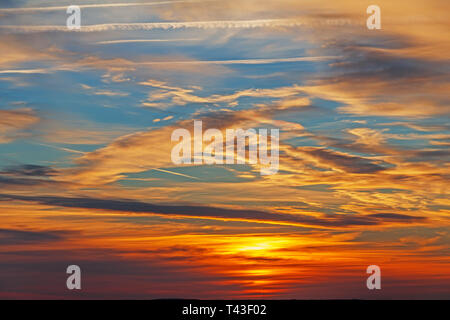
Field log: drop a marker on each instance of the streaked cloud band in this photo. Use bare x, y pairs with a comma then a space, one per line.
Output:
226, 24
95, 5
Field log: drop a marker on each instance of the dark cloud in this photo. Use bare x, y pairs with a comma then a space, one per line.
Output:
345, 144
376, 59
13, 236
107, 274
397, 217
6, 182
29, 170
28, 175
351, 164
329, 220
439, 154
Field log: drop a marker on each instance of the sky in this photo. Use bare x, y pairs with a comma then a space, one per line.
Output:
87, 179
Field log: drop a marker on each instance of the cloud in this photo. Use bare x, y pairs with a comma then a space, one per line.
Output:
170, 95
20, 237
145, 41
14, 123
25, 71
230, 24
423, 27
164, 119
17, 10
110, 93
104, 92
9, 182
135, 152
133, 206
146, 150
397, 217
29, 170
31, 178
248, 61
368, 81
76, 131
345, 169
341, 161
15, 51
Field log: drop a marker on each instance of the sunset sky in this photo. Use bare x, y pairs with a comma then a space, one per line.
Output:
87, 179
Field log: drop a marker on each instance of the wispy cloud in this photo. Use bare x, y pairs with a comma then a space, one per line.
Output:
248, 61
60, 148
95, 5
145, 41
13, 123
25, 71
175, 173
104, 92
168, 95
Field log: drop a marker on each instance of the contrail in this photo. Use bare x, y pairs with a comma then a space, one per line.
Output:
245, 61
95, 5
175, 173
24, 71
60, 148
144, 40
226, 24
